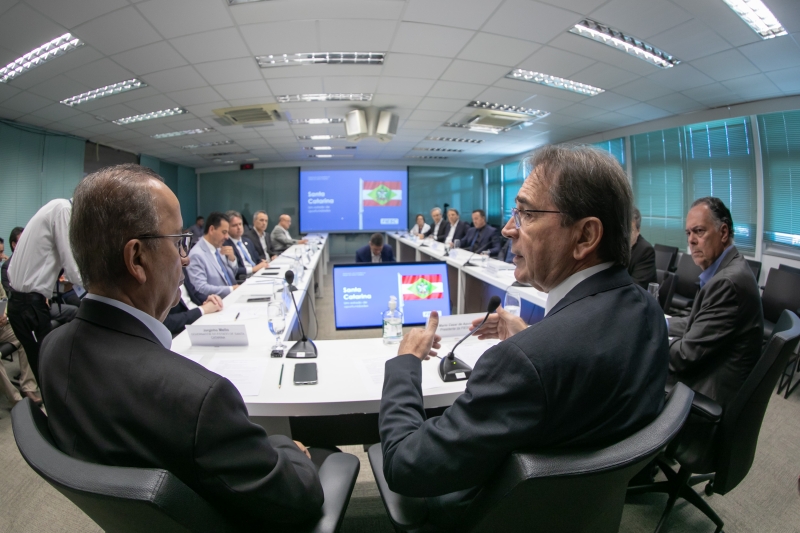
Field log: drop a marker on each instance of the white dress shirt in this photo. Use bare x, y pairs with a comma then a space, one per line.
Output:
43, 250
449, 238
416, 231
233, 264
435, 232
239, 245
377, 258
156, 328
262, 237
563, 288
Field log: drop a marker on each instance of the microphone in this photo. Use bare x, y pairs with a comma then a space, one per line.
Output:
451, 368
468, 264
305, 347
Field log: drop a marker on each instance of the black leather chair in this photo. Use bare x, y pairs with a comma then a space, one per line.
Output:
788, 268
720, 446
782, 291
666, 288
665, 257
557, 491
785, 380
149, 500
755, 266
687, 286
6, 349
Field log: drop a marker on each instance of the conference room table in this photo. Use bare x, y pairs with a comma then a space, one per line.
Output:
342, 408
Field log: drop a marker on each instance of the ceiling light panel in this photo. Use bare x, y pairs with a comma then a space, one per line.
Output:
758, 17
328, 156
538, 113
205, 145
304, 121
235, 2
150, 116
102, 92
328, 97
631, 45
319, 137
554, 81
316, 58
454, 140
175, 133
329, 148
425, 149
39, 56
426, 157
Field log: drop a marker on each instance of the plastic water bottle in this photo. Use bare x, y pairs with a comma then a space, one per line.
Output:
392, 323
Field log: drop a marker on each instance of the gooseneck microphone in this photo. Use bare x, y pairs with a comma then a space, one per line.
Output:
305, 347
451, 368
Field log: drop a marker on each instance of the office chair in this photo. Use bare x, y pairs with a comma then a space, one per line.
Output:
720, 446
665, 257
6, 349
782, 291
785, 380
788, 268
755, 266
150, 500
557, 491
687, 285
666, 289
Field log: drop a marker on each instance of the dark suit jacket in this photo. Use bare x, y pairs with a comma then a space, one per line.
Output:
196, 296
4, 276
718, 344
542, 388
460, 233
642, 267
505, 252
262, 253
241, 269
116, 396
180, 316
364, 254
441, 235
488, 238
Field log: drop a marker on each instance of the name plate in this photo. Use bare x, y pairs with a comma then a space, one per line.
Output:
456, 325
228, 335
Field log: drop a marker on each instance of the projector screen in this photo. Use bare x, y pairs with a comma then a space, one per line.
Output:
353, 200
361, 292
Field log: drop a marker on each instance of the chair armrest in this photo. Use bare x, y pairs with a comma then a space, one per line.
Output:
405, 512
707, 408
338, 477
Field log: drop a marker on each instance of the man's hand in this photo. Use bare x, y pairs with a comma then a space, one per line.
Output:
274, 257
234, 287
212, 304
259, 266
500, 325
303, 448
421, 342
3, 321
302, 241
227, 251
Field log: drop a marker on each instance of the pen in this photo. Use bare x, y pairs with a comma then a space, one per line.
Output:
237, 317
280, 379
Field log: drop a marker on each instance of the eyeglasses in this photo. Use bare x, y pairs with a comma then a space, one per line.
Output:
515, 214
182, 243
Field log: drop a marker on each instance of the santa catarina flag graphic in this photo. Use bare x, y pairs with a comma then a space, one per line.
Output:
382, 193
422, 287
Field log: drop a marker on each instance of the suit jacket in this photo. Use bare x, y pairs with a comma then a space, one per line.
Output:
4, 275
545, 387
460, 233
717, 345
116, 396
241, 270
364, 254
506, 254
181, 316
281, 239
194, 295
642, 267
197, 233
205, 272
486, 238
262, 253
441, 235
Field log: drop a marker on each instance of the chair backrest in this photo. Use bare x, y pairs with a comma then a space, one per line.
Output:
688, 275
120, 500
788, 268
755, 266
665, 257
569, 491
666, 290
782, 291
741, 421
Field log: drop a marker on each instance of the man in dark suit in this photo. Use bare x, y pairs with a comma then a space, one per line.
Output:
714, 349
455, 228
247, 260
437, 229
116, 394
481, 236
375, 251
13, 239
260, 236
544, 386
186, 311
642, 267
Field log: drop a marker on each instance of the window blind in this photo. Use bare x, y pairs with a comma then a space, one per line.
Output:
512, 181
494, 212
615, 147
779, 134
429, 187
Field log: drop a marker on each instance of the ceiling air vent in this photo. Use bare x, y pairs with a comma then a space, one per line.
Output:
248, 115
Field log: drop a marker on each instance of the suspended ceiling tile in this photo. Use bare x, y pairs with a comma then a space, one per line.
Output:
200, 95
289, 37
602, 53
256, 12
70, 13
722, 19
10, 114
581, 111
55, 112
641, 19
253, 100
753, 87
152, 103
676, 103
578, 6
354, 35
532, 21
229, 71
787, 80
7, 91
24, 29
246, 89
469, 14
681, 77
405, 86
427, 39
444, 104
474, 72
173, 18
34, 120
175, 79
350, 84
211, 46
118, 31
150, 58
497, 49
610, 101
555, 62
773, 54
26, 102
453, 89
644, 111
58, 88
691, 40
498, 95
617, 120
296, 86
725, 65
712, 95
79, 121
414, 66
121, 98
100, 73
115, 111
386, 100
604, 76
643, 89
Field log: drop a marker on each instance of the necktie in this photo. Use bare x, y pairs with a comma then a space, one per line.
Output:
475, 239
245, 255
224, 269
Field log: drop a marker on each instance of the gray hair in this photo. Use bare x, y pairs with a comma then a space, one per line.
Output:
109, 208
720, 213
260, 212
436, 209
583, 181
230, 214
637, 218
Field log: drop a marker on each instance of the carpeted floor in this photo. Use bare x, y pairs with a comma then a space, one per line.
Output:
767, 501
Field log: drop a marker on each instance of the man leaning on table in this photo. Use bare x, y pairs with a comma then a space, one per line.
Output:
543, 386
213, 267
116, 394
281, 239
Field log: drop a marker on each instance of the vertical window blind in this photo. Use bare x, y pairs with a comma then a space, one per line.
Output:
430, 187
615, 147
494, 193
779, 134
512, 181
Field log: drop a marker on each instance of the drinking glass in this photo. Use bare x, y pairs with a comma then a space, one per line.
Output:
513, 301
277, 323
652, 288
456, 246
485, 258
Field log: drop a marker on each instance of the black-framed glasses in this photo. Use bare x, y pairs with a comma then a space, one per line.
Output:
515, 214
182, 243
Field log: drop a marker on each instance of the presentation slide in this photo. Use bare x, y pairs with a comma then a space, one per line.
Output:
353, 200
361, 292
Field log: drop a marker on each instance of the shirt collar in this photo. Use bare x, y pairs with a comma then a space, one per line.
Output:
158, 329
707, 274
563, 288
235, 240
209, 246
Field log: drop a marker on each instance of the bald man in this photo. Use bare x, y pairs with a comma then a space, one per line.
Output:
281, 240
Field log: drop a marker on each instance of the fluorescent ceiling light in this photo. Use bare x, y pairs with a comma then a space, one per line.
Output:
454, 140
538, 113
39, 56
631, 45
223, 154
426, 157
150, 116
300, 121
328, 97
554, 81
319, 137
102, 92
205, 145
328, 156
176, 133
425, 149
476, 128
329, 147
758, 17
234, 2
313, 58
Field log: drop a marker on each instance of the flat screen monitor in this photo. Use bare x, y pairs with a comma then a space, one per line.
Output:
353, 200
361, 292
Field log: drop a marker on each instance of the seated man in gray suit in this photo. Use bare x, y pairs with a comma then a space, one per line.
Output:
714, 349
212, 268
281, 239
543, 386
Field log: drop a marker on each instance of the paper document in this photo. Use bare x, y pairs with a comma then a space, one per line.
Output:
247, 375
371, 370
470, 352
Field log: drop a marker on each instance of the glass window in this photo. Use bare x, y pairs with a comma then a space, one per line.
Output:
779, 134
494, 213
512, 181
615, 147
429, 187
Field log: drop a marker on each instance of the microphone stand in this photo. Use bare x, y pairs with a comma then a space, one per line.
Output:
305, 347
451, 368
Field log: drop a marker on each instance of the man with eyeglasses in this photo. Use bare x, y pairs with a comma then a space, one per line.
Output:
212, 266
590, 373
247, 259
117, 395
